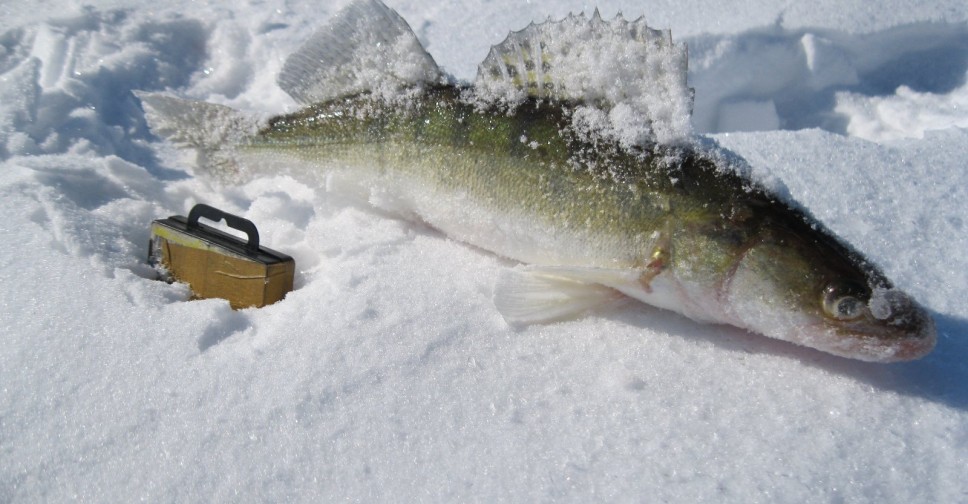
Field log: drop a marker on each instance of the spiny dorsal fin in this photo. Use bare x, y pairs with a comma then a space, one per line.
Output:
366, 47
594, 62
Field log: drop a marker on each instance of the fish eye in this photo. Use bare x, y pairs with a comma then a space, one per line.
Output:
841, 301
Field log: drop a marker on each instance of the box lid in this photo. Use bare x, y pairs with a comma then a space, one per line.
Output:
189, 232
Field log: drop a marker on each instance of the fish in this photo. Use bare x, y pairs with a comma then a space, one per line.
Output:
570, 154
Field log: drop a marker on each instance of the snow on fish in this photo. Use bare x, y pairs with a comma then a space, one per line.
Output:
571, 154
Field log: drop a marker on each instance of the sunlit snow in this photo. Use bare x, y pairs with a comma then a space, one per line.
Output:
388, 374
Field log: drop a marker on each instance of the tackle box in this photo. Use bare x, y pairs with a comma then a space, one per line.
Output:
216, 264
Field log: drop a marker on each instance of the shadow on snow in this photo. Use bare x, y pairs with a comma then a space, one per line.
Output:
941, 376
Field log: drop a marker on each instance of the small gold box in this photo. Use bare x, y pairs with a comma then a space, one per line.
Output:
216, 264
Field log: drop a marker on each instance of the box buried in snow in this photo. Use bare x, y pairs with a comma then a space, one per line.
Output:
218, 265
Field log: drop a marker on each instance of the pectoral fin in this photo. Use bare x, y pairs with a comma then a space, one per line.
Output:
527, 295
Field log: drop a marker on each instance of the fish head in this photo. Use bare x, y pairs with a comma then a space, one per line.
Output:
802, 284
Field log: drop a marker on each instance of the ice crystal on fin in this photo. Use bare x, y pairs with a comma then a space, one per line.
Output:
635, 74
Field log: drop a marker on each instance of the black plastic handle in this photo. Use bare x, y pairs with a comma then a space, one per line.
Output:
233, 221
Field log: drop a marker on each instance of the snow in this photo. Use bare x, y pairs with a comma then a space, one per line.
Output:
388, 375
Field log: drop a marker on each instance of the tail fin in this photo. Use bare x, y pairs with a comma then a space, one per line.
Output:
214, 131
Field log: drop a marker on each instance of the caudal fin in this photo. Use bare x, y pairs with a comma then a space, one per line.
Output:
214, 131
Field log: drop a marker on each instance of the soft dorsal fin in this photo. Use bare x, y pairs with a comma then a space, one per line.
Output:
594, 62
366, 47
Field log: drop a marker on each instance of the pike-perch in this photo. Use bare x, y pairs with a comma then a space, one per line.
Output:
571, 154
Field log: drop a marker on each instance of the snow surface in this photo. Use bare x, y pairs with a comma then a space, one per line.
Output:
388, 375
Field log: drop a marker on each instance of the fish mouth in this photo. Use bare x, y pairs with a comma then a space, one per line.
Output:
919, 333
880, 349
912, 349
895, 329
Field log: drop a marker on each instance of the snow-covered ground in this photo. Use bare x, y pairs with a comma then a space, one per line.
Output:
388, 375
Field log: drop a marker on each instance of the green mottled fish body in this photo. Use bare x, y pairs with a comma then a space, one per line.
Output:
527, 187
480, 164
590, 189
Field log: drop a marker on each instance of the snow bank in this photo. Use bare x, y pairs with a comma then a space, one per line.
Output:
772, 78
387, 374
906, 114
